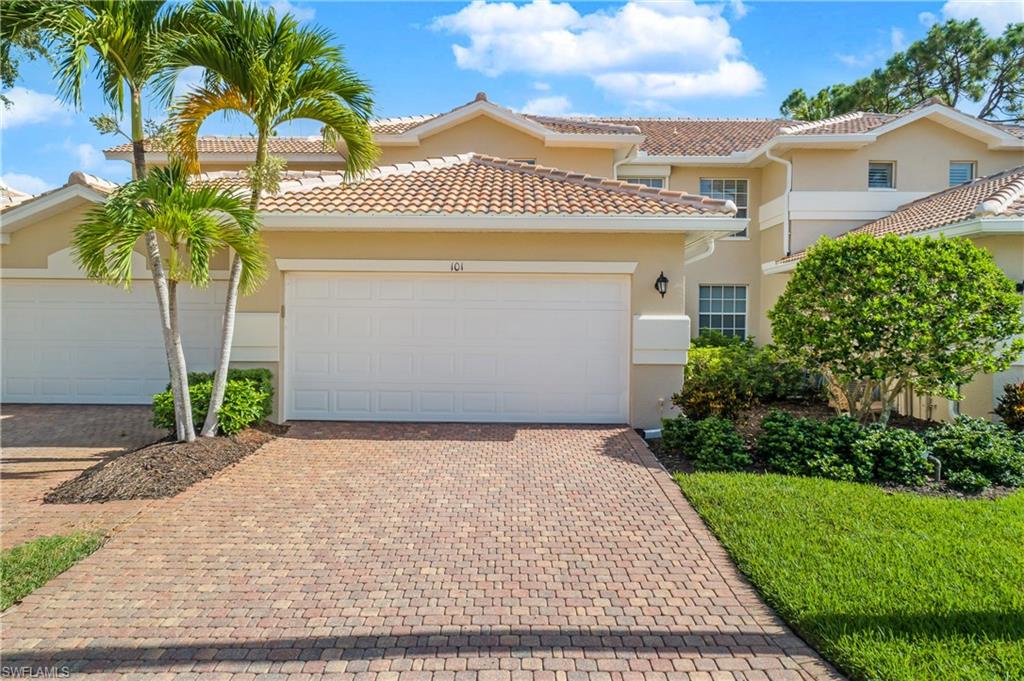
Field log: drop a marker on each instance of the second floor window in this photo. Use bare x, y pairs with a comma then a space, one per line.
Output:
881, 175
656, 182
732, 190
960, 172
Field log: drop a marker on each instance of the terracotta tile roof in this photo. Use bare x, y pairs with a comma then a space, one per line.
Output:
245, 145
701, 136
851, 123
999, 195
77, 177
477, 184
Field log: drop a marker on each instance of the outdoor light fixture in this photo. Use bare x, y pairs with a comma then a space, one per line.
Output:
661, 284
1020, 287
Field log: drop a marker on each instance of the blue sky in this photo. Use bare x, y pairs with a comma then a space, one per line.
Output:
673, 58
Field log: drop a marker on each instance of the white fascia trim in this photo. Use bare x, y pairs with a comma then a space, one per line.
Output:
415, 135
456, 266
21, 213
500, 223
775, 267
976, 227
161, 157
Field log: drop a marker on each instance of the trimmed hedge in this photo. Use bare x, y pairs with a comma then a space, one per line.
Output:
900, 456
988, 449
712, 444
813, 448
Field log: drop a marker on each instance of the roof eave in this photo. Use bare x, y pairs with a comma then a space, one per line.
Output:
232, 157
37, 208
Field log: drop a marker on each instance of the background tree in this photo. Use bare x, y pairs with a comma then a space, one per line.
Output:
128, 39
876, 315
956, 62
271, 70
193, 223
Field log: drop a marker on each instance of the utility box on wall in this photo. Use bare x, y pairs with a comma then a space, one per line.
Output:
660, 339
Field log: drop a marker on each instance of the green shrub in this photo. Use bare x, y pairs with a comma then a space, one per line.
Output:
244, 405
821, 449
713, 338
262, 378
898, 455
722, 380
1011, 406
989, 449
968, 482
711, 444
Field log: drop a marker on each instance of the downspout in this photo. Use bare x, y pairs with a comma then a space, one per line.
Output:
789, 188
630, 156
703, 254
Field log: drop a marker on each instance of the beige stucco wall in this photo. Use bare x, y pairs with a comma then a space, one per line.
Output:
922, 151
735, 260
805, 233
485, 135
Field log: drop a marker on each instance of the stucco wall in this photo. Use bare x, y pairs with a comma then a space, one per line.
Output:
922, 151
486, 135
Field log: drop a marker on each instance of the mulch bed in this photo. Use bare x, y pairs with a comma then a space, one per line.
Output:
161, 469
748, 425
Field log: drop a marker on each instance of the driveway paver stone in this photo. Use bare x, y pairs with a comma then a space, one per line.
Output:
413, 551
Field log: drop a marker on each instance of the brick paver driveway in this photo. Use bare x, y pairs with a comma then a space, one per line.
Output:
416, 552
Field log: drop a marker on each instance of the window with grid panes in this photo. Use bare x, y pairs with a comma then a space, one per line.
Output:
723, 307
733, 190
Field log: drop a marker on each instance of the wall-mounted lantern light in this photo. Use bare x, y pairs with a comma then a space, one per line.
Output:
1020, 287
661, 284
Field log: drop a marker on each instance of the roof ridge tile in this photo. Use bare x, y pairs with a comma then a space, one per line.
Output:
810, 125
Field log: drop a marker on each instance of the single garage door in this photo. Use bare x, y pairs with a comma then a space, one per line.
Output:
457, 347
77, 341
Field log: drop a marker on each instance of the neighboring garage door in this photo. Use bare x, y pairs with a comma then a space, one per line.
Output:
457, 347
77, 341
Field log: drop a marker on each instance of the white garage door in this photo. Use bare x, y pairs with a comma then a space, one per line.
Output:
457, 347
82, 342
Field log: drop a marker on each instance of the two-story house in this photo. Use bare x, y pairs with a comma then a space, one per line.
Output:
497, 266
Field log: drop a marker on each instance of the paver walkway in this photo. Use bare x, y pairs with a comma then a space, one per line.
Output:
413, 552
43, 445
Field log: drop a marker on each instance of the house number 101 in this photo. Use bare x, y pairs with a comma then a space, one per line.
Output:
457, 267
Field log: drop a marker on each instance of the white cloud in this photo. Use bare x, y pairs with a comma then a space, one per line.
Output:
927, 19
896, 42
555, 105
30, 184
679, 41
28, 107
739, 10
994, 15
732, 79
300, 13
541, 86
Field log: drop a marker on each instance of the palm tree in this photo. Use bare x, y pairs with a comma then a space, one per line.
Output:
193, 222
128, 37
270, 70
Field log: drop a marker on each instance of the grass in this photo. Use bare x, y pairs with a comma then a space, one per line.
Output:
26, 567
886, 586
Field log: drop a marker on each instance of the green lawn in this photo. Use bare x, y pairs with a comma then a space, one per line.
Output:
26, 567
886, 586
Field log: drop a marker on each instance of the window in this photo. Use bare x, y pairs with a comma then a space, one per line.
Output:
881, 175
960, 172
723, 308
656, 182
733, 190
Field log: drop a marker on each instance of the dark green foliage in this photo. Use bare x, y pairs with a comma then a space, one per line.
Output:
711, 444
722, 380
899, 455
1011, 406
245, 404
263, 379
968, 482
976, 445
712, 338
823, 449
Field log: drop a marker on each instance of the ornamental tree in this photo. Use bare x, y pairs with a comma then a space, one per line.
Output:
876, 315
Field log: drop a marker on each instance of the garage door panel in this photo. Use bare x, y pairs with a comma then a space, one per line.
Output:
78, 341
457, 347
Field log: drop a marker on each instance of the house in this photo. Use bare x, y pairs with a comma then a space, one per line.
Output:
497, 266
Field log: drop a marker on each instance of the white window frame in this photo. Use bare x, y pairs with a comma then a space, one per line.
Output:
974, 171
746, 308
739, 236
645, 180
892, 176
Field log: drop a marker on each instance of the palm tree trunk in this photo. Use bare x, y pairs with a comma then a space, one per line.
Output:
186, 431
175, 366
220, 379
